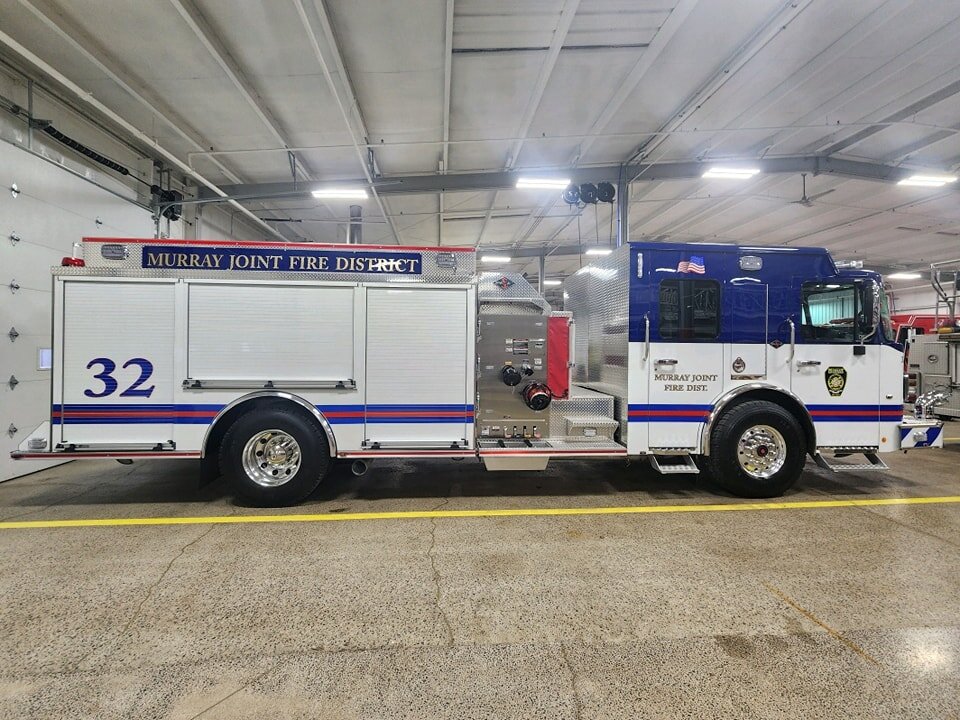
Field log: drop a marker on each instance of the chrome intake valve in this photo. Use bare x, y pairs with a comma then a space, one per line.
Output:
537, 396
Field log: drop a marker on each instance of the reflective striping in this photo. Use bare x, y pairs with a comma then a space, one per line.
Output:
668, 413
147, 414
512, 512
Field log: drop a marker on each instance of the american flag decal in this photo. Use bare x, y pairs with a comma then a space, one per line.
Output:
693, 265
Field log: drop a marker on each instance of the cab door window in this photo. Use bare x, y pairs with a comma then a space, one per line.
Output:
834, 313
689, 309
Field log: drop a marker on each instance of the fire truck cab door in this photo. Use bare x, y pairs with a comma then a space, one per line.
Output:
419, 367
836, 368
685, 361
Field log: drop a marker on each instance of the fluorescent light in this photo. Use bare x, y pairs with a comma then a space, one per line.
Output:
546, 183
731, 173
904, 276
496, 258
598, 251
928, 180
340, 193
553, 282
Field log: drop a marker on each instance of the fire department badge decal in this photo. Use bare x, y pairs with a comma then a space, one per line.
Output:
836, 379
503, 283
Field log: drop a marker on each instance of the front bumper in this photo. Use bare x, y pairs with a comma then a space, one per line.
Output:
916, 433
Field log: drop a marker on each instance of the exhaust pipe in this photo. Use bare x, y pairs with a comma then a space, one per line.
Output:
359, 467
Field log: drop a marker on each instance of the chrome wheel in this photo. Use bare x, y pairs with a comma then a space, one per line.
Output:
271, 458
761, 451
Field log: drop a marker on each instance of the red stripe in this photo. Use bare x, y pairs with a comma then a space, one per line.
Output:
80, 455
409, 453
270, 243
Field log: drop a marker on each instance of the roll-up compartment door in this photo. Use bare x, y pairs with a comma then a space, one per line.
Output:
117, 364
259, 333
418, 367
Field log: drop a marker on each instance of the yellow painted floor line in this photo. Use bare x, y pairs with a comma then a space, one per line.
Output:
514, 512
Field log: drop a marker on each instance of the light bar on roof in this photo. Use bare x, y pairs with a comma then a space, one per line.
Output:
334, 193
928, 180
543, 183
731, 173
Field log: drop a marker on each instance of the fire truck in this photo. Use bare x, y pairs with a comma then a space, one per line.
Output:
270, 361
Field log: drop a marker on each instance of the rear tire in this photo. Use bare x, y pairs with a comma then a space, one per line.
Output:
756, 450
274, 456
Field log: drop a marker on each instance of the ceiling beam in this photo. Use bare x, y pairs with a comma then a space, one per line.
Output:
231, 68
937, 42
770, 28
316, 23
87, 98
625, 88
821, 62
504, 179
447, 84
567, 14
923, 103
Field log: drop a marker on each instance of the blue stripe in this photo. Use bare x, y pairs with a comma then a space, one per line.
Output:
420, 408
865, 408
670, 407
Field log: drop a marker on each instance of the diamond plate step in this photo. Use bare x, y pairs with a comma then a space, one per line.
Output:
590, 426
873, 463
582, 401
674, 464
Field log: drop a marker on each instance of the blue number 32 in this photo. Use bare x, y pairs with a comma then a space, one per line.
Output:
110, 383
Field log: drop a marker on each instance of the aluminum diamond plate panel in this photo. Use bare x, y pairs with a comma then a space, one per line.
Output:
598, 297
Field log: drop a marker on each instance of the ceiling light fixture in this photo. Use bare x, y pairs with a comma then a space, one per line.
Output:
904, 276
542, 183
928, 180
496, 258
553, 282
731, 173
340, 193
599, 251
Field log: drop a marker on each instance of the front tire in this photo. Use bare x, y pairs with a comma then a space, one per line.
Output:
274, 456
756, 450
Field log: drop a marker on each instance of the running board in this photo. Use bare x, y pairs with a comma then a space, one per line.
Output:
674, 464
873, 463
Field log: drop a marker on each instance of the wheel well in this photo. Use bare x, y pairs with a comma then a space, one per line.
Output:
788, 403
222, 423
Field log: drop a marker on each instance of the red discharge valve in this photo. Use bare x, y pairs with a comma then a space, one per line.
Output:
537, 396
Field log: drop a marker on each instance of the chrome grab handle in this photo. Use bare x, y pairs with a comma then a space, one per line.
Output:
793, 339
807, 363
646, 341
665, 361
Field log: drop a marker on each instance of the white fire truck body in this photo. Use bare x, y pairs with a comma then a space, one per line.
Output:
267, 360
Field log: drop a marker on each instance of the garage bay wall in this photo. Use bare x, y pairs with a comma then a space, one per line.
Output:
53, 209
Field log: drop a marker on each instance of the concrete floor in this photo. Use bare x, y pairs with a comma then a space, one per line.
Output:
829, 612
